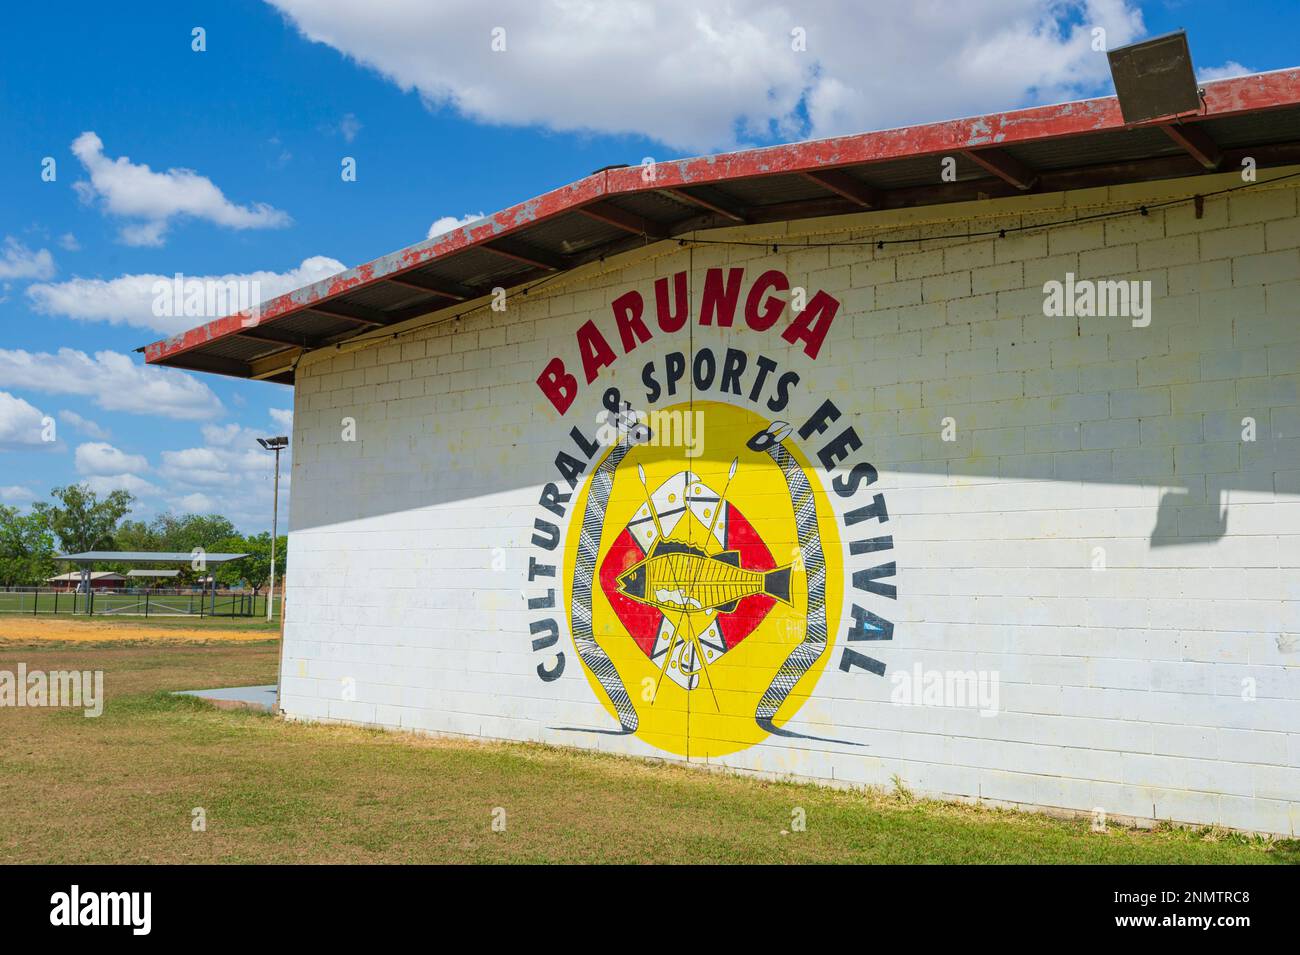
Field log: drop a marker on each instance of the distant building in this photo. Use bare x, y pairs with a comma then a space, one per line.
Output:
152, 578
99, 580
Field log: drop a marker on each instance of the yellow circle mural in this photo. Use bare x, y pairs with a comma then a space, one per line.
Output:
703, 592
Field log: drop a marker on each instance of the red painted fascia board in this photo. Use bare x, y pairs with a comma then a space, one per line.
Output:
1222, 98
1227, 97
496, 226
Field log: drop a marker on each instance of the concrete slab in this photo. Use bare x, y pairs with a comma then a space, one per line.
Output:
238, 697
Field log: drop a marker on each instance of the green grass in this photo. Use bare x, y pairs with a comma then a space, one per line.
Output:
110, 604
121, 788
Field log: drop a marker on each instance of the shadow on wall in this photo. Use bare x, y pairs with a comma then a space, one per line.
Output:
1194, 507
1171, 516
387, 468
1056, 402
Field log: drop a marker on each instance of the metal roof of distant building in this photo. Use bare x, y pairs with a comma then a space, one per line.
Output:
1038, 150
94, 575
145, 557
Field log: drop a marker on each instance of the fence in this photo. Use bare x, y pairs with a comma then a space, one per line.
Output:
134, 603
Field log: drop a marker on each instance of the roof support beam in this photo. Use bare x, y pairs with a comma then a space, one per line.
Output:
272, 367
1174, 166
354, 313
611, 214
261, 335
213, 363
1005, 166
447, 289
727, 210
1196, 142
527, 254
841, 183
399, 315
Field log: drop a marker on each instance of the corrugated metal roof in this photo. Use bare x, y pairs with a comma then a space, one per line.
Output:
1043, 149
145, 557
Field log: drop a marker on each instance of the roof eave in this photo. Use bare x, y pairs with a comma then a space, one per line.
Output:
981, 139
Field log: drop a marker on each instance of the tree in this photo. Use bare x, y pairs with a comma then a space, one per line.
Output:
188, 531
81, 521
136, 535
176, 533
26, 549
84, 522
255, 569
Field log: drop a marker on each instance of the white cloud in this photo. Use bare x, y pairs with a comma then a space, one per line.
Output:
349, 126
100, 458
68, 242
108, 483
134, 191
87, 427
448, 223
19, 262
201, 466
146, 234
16, 494
222, 435
1229, 69
283, 155
283, 417
22, 425
702, 76
196, 503
112, 381
130, 299
230, 454
230, 472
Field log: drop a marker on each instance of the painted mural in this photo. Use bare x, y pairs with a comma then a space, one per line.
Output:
703, 568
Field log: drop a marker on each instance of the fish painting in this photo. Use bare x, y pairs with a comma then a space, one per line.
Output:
678, 577
690, 578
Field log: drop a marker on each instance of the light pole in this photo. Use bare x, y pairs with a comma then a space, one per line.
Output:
277, 445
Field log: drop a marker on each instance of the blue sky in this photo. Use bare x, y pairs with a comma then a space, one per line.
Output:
440, 125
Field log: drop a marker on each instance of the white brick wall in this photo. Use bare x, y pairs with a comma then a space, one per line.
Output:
1120, 687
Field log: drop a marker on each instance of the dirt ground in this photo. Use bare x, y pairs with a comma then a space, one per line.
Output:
79, 630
